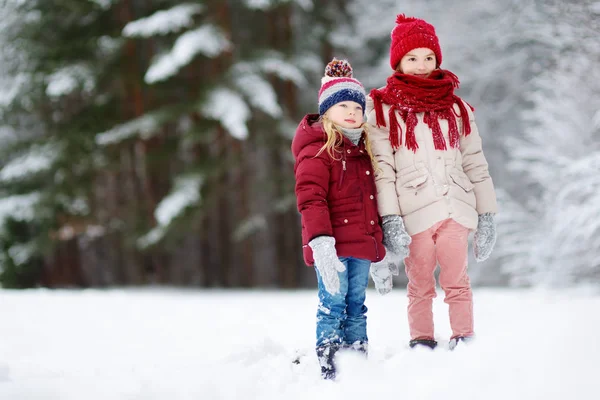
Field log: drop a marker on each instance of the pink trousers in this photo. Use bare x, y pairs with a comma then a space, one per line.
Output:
445, 243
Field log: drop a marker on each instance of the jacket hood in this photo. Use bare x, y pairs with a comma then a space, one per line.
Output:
309, 130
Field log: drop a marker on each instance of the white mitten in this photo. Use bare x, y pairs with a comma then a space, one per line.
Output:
395, 237
485, 237
383, 271
327, 262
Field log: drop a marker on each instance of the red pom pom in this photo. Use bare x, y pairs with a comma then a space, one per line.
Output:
338, 69
401, 18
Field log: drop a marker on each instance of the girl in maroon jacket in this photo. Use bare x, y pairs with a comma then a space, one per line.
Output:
336, 194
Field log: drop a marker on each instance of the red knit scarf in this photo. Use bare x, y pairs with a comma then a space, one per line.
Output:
433, 96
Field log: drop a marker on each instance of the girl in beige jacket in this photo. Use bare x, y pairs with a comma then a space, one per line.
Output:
433, 182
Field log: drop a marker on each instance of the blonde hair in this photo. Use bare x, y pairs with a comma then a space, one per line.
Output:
335, 139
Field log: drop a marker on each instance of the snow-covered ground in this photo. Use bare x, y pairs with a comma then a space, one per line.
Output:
209, 345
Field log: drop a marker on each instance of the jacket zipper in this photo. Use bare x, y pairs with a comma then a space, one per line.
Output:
343, 170
376, 249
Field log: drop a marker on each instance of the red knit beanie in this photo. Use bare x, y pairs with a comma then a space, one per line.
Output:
412, 33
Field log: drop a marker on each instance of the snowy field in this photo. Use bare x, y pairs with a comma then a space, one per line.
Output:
209, 345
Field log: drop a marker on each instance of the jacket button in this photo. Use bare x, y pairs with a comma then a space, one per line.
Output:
371, 197
348, 151
368, 172
345, 221
361, 151
372, 222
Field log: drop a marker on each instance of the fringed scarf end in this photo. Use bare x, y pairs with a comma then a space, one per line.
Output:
432, 120
395, 130
410, 119
377, 104
466, 123
453, 133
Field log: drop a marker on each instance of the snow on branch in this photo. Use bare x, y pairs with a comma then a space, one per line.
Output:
36, 159
19, 207
207, 40
249, 78
265, 5
67, 79
10, 88
260, 93
250, 226
104, 4
163, 22
259, 4
145, 126
518, 228
596, 121
575, 205
230, 109
186, 193
8, 135
21, 253
282, 69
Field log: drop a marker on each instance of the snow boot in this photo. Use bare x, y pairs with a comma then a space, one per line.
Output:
358, 347
432, 344
454, 341
326, 357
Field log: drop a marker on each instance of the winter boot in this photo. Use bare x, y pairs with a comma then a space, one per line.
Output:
454, 341
326, 356
359, 347
423, 342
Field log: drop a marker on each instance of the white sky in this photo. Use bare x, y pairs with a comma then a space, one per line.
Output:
212, 345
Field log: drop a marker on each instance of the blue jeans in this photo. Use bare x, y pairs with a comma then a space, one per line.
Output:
341, 319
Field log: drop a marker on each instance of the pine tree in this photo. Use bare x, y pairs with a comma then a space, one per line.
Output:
559, 154
161, 131
61, 55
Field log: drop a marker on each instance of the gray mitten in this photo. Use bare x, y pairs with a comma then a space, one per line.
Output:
485, 237
395, 237
327, 262
382, 272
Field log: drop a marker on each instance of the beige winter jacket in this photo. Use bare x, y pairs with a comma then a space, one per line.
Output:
428, 186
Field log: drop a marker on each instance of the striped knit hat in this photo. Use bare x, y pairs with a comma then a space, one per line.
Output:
338, 85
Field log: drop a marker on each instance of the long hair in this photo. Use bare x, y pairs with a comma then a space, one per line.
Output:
335, 139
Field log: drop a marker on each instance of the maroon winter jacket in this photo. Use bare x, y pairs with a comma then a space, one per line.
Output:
336, 197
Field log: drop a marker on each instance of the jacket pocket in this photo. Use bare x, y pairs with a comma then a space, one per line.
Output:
416, 182
461, 180
346, 212
413, 177
347, 219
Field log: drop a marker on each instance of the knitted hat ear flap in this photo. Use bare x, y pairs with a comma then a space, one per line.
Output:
338, 85
412, 33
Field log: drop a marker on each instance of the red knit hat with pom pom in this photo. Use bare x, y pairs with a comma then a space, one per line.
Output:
413, 33
338, 85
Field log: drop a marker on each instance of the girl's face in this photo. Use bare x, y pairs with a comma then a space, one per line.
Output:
347, 114
420, 62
